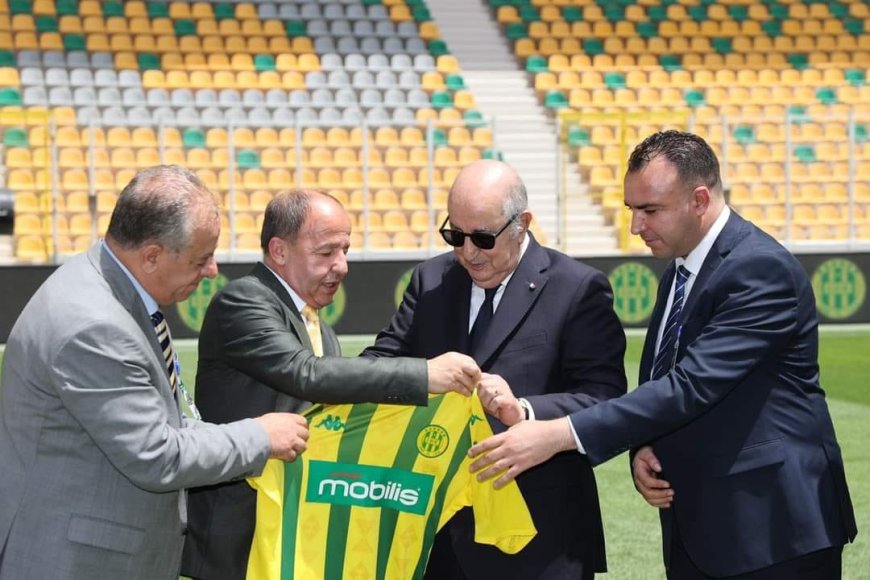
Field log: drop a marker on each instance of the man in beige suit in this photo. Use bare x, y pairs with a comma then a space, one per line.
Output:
94, 449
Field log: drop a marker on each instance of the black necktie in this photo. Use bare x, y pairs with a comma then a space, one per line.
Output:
481, 323
162, 330
671, 334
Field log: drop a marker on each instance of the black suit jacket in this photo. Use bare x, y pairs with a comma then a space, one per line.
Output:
740, 425
557, 342
254, 358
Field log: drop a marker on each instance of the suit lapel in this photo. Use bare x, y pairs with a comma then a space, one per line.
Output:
457, 301
270, 281
129, 298
723, 245
521, 293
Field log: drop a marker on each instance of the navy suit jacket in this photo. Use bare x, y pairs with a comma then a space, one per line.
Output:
557, 342
740, 424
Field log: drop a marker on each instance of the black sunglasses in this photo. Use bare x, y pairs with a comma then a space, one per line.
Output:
483, 240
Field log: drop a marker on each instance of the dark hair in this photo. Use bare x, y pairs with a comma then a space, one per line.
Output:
155, 208
695, 161
286, 214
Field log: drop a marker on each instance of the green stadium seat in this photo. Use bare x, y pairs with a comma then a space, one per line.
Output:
421, 14
805, 153
264, 62
738, 12
529, 13
148, 61
722, 45
798, 114
70, 8
371, 2
441, 100
473, 118
556, 100
647, 29
854, 26
10, 97
158, 10
694, 98
614, 12
778, 11
614, 80
798, 60
113, 9
248, 159
296, 28
578, 137
15, 137
437, 47
516, 30
572, 14
772, 27
455, 82
744, 134
184, 27
827, 96
74, 42
20, 7
838, 10
593, 46
861, 133
698, 13
439, 137
46, 24
536, 64
670, 62
7, 58
193, 138
657, 13
224, 11
854, 76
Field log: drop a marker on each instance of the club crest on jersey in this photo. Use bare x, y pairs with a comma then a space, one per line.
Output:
368, 486
432, 441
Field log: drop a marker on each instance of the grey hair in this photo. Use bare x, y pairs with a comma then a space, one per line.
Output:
155, 207
516, 202
286, 214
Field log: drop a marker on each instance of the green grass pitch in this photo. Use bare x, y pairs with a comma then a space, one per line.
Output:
631, 526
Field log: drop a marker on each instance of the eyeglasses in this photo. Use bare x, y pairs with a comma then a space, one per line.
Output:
483, 240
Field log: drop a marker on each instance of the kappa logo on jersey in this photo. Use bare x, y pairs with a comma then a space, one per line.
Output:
368, 486
331, 423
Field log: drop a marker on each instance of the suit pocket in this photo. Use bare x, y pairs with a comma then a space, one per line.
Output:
757, 456
524, 342
105, 534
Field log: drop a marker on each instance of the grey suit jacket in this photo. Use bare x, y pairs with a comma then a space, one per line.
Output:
93, 447
255, 357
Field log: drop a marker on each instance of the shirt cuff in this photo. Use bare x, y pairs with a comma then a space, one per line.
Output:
530, 413
580, 447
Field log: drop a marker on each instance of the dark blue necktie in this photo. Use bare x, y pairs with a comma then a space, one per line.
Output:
671, 334
481, 323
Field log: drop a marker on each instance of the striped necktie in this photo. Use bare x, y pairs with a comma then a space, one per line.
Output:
312, 325
483, 320
671, 335
162, 330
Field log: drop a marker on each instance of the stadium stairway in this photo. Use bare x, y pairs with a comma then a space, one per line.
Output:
522, 129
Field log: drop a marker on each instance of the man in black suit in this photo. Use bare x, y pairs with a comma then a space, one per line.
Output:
551, 335
260, 348
729, 430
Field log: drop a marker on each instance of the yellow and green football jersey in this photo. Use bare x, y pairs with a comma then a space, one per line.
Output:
376, 483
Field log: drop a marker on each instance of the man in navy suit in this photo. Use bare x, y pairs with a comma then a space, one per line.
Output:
541, 326
729, 430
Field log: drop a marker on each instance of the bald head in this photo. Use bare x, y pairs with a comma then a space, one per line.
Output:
485, 185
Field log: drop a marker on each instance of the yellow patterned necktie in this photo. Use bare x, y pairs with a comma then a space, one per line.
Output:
312, 325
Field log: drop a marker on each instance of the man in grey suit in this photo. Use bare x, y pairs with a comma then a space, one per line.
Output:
95, 451
256, 356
